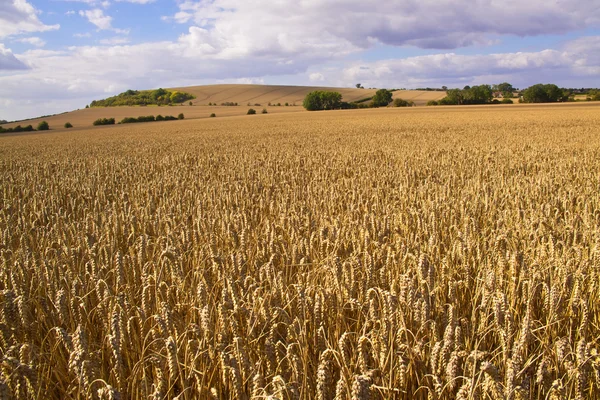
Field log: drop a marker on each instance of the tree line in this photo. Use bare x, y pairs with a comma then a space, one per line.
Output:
479, 94
42, 126
144, 98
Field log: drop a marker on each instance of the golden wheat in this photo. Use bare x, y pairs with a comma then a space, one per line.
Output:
446, 253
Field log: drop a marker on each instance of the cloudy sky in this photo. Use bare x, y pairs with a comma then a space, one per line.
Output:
58, 55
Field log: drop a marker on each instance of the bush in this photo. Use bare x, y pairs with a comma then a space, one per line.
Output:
160, 118
264, 111
287, 104
402, 103
278, 104
213, 115
104, 121
43, 126
506, 101
17, 128
432, 103
251, 111
495, 101
256, 104
190, 103
68, 125
180, 116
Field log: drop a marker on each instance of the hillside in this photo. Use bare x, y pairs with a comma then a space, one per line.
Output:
263, 94
232, 93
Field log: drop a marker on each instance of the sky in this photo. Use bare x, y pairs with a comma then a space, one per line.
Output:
59, 55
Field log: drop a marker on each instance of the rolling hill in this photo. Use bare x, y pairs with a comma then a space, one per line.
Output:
232, 93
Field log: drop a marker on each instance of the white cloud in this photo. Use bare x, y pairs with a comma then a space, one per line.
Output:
114, 41
523, 69
97, 17
138, 1
92, 3
18, 16
440, 24
8, 61
82, 35
34, 41
70, 12
316, 77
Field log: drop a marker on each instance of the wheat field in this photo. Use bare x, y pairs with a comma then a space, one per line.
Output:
432, 253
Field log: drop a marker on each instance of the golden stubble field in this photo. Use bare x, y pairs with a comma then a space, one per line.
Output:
373, 254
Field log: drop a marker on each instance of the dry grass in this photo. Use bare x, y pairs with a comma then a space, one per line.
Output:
442, 253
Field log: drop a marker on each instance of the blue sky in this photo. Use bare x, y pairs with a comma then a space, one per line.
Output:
58, 55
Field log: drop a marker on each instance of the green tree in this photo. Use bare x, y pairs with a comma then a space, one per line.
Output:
251, 111
382, 98
541, 93
180, 116
594, 94
313, 101
43, 126
507, 90
68, 125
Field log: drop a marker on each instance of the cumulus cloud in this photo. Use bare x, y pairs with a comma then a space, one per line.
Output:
8, 61
18, 16
34, 41
430, 24
574, 63
316, 77
97, 17
137, 1
114, 41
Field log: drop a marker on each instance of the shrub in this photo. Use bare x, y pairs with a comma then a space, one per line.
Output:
17, 128
432, 103
251, 111
402, 103
190, 103
104, 121
506, 101
256, 104
180, 116
495, 101
287, 104
160, 118
43, 126
68, 125
264, 111
213, 115
278, 104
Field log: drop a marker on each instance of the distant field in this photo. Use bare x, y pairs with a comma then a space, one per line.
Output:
241, 94
433, 252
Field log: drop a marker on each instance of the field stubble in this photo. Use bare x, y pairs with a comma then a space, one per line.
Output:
360, 255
